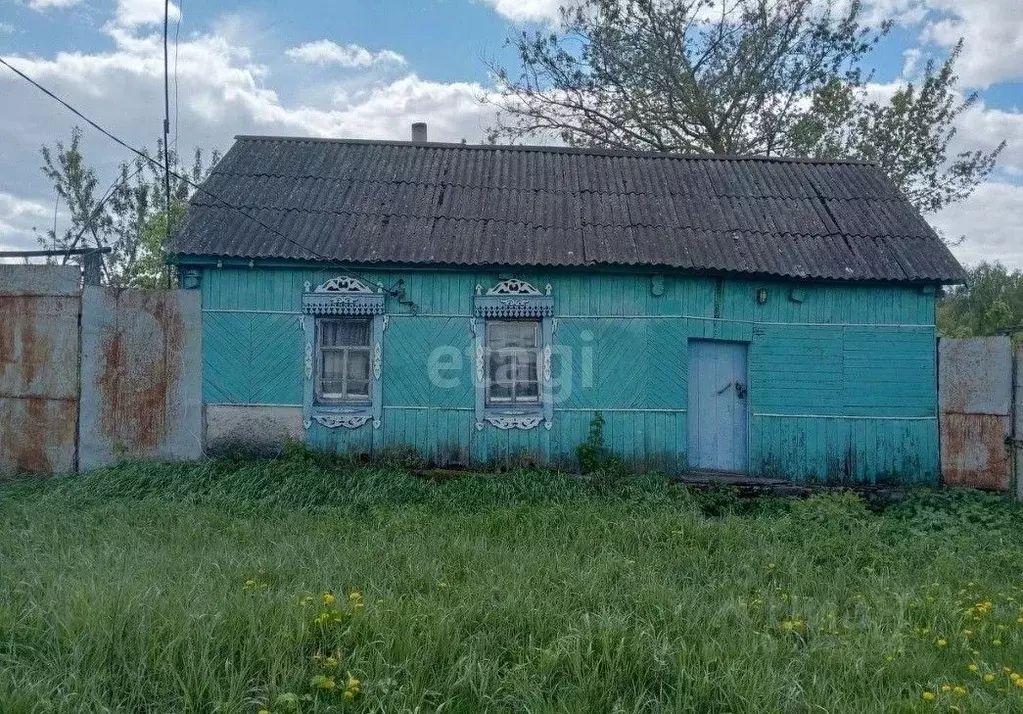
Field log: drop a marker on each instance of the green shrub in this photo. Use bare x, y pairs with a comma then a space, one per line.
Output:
594, 457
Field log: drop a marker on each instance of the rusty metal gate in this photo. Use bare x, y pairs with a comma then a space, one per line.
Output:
39, 311
91, 376
975, 399
141, 376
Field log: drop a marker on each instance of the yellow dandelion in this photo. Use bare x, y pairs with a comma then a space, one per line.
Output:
946, 687
996, 643
942, 643
330, 662
328, 598
264, 711
989, 677
1019, 682
927, 696
959, 691
972, 667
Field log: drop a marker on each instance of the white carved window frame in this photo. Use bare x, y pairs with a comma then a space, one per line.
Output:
513, 299
342, 296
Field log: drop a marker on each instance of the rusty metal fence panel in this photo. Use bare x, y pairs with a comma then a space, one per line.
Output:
141, 376
39, 310
975, 398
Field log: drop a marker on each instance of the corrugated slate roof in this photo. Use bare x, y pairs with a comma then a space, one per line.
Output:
369, 202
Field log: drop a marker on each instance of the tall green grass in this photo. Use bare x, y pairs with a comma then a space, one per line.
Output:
178, 588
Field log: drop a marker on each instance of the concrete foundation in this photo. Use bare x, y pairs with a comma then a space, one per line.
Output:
257, 430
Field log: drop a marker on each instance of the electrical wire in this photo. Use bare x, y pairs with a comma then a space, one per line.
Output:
99, 206
192, 184
141, 154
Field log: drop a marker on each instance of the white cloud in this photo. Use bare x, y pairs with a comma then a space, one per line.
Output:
992, 31
6, 28
42, 5
18, 216
992, 222
135, 13
993, 34
991, 28
527, 10
327, 52
225, 89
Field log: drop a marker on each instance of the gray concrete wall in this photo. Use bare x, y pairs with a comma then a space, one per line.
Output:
258, 430
39, 309
141, 380
39, 279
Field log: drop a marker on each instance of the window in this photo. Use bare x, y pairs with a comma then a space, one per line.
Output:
343, 357
513, 349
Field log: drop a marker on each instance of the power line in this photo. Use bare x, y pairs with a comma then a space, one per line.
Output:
187, 181
116, 139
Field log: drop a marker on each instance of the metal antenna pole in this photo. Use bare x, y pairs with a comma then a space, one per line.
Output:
166, 133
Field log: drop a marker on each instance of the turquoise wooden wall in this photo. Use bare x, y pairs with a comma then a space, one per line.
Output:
841, 384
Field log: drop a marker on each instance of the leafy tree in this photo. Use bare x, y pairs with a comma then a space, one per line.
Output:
130, 218
762, 77
991, 302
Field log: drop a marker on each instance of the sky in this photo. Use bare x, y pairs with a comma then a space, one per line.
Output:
369, 68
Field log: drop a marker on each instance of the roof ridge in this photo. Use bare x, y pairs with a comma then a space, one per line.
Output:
624, 153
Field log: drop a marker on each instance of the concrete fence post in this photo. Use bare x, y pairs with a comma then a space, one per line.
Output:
1017, 422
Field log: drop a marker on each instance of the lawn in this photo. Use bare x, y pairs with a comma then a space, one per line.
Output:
306, 585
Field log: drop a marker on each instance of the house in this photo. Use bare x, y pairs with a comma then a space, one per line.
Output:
479, 303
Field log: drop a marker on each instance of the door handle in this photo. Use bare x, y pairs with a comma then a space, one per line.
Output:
740, 389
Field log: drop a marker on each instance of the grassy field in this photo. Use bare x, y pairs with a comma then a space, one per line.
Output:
309, 586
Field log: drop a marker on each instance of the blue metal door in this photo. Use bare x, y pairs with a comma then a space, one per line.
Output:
717, 417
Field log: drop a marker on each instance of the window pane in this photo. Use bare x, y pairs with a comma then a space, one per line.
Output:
527, 391
358, 388
519, 333
345, 333
497, 334
526, 371
358, 364
331, 370
527, 333
501, 391
502, 366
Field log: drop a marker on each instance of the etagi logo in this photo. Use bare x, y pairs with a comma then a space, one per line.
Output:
570, 367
